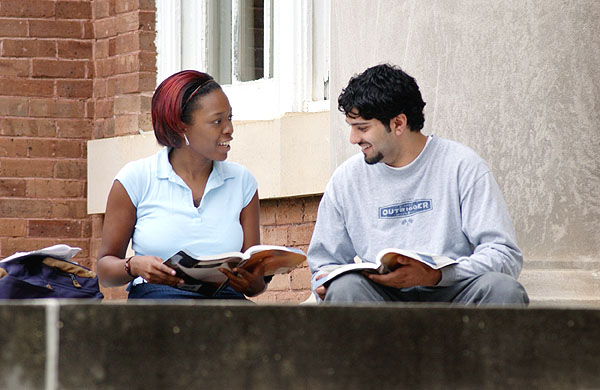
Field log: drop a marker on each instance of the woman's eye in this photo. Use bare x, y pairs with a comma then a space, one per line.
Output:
230, 117
218, 121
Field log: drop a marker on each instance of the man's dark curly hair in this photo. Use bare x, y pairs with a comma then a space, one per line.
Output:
383, 92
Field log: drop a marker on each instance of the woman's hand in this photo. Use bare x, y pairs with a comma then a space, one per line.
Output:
248, 282
153, 270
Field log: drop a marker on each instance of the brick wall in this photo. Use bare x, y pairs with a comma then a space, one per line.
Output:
71, 71
288, 222
46, 116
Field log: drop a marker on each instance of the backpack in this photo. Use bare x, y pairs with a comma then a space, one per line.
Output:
47, 273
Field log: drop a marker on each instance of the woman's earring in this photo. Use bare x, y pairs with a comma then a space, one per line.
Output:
186, 140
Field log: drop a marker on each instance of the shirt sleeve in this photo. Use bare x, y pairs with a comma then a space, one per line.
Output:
330, 244
131, 179
249, 186
486, 222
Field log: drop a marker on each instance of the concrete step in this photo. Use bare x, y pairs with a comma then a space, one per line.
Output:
225, 345
567, 286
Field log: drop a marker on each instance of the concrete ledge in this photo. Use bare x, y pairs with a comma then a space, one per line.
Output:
247, 346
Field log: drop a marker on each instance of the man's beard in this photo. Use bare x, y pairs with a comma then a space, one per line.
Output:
375, 159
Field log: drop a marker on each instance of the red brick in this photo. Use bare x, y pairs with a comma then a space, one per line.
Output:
54, 228
102, 9
268, 208
147, 61
27, 127
105, 28
14, 67
126, 124
70, 49
26, 87
57, 108
127, 43
71, 169
300, 234
105, 108
88, 30
27, 8
127, 22
69, 208
135, 82
73, 9
145, 121
56, 189
147, 41
300, 279
311, 207
55, 148
101, 49
104, 128
86, 228
74, 88
90, 109
289, 210
26, 167
274, 235
28, 48
127, 63
147, 20
25, 208
280, 282
97, 225
58, 68
75, 128
127, 104
14, 106
13, 147
126, 5
12, 187
13, 227
56, 29
13, 28
282, 297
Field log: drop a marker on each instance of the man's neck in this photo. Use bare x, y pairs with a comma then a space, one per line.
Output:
410, 144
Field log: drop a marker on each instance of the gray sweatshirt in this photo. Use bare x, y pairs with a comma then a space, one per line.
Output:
446, 202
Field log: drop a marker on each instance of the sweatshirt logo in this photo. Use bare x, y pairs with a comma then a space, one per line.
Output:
405, 209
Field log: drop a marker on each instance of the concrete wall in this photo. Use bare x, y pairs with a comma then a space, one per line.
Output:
68, 345
516, 80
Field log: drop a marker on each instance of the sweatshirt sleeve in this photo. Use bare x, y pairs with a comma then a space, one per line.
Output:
330, 244
486, 222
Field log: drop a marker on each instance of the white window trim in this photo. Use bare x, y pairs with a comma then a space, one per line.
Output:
295, 51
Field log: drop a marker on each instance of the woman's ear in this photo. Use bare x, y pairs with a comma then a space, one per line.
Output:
399, 124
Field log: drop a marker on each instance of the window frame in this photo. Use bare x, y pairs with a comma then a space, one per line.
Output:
299, 42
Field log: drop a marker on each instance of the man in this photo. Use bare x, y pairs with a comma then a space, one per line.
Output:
415, 192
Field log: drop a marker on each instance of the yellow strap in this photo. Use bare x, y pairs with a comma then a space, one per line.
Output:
70, 268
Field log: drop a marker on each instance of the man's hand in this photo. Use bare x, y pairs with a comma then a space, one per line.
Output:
408, 273
321, 290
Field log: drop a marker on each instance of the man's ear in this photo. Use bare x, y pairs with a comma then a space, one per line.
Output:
399, 124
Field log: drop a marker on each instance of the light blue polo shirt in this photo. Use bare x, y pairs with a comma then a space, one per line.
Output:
168, 221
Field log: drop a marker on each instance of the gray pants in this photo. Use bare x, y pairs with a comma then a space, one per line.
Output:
490, 288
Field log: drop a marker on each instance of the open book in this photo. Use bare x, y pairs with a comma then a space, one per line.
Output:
385, 262
201, 273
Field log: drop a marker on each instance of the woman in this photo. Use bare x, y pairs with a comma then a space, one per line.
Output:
184, 197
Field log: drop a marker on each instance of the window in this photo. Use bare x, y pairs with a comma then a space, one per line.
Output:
271, 57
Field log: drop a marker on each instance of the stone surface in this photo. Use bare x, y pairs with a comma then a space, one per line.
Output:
204, 345
22, 346
515, 80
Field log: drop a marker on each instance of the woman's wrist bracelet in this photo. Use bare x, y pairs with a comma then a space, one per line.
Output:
128, 267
